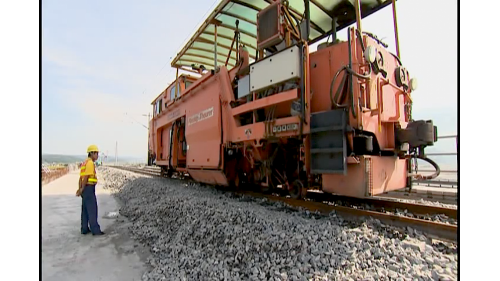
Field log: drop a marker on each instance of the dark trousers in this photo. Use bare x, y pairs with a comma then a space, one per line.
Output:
89, 210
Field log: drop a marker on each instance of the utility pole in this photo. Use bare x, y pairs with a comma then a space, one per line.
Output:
148, 156
116, 153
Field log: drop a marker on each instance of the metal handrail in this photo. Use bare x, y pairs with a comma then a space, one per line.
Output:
447, 137
438, 181
442, 171
442, 154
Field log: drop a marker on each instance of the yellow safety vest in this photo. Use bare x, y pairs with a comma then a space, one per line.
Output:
92, 178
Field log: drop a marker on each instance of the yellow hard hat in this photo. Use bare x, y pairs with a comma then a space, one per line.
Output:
92, 148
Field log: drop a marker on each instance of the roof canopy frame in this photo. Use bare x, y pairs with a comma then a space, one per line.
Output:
194, 57
225, 47
244, 42
322, 13
239, 17
232, 60
190, 62
208, 51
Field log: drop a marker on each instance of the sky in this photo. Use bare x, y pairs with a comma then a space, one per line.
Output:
103, 62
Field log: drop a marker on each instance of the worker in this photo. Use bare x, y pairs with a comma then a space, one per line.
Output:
86, 189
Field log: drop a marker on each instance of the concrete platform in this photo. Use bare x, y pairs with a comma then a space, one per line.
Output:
68, 255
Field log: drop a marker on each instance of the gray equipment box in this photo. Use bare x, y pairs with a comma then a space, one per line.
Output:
275, 69
244, 87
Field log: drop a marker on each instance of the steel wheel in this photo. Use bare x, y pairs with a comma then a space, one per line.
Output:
297, 189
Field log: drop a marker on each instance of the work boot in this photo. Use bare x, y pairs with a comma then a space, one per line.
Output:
84, 230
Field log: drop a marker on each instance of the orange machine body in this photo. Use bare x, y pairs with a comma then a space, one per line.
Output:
380, 105
335, 119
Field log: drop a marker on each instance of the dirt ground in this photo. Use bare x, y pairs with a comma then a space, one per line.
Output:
69, 255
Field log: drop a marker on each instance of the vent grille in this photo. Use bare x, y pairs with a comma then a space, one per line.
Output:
268, 30
369, 176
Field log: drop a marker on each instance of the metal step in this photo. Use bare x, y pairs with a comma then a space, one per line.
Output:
328, 142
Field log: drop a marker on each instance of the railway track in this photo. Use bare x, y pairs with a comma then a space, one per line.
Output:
390, 212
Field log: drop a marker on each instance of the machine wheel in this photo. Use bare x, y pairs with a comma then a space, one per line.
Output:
265, 189
297, 189
165, 172
169, 173
236, 183
243, 182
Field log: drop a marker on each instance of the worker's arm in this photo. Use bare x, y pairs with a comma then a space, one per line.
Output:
84, 181
89, 170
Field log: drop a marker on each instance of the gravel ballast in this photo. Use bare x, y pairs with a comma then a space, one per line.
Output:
200, 233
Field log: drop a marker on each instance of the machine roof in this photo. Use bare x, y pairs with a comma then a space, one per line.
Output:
199, 50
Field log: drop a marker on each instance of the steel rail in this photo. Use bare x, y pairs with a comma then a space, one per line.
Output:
431, 228
388, 205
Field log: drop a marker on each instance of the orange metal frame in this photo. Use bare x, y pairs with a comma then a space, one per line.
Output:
208, 114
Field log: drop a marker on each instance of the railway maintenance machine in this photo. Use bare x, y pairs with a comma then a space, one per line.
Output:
255, 106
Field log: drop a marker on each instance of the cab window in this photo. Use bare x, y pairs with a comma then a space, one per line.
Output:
158, 107
172, 91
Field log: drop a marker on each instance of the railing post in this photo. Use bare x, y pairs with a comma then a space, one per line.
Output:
442, 182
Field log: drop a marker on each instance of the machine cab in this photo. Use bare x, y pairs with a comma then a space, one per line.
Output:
171, 93
166, 98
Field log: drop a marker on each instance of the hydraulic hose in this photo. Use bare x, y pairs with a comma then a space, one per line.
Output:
351, 81
302, 92
339, 90
360, 76
434, 164
332, 99
350, 71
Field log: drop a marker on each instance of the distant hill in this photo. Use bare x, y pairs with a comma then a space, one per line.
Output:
63, 159
67, 159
